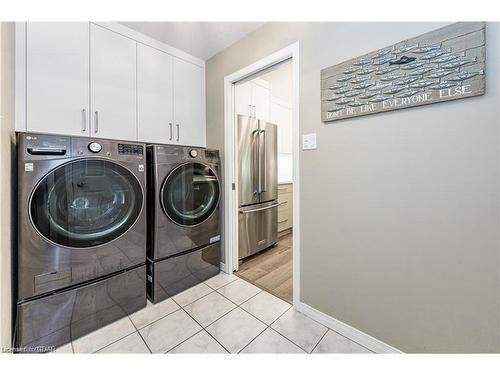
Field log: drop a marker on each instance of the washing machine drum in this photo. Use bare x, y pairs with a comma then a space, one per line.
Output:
86, 203
190, 194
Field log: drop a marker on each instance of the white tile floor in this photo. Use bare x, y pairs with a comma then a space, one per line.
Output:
223, 315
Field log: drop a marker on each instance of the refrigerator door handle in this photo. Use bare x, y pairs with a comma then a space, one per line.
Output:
256, 162
264, 162
259, 209
259, 163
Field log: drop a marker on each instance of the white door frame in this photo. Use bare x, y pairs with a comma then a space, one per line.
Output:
230, 196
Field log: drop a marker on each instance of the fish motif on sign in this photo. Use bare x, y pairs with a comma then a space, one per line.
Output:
426, 48
423, 83
337, 86
458, 62
382, 53
404, 49
344, 101
421, 71
426, 69
465, 75
440, 73
434, 54
391, 77
405, 81
362, 62
379, 98
388, 69
415, 65
364, 85
343, 90
360, 79
394, 89
443, 85
379, 86
368, 94
407, 94
351, 70
365, 71
345, 79
402, 60
350, 94
382, 61
356, 104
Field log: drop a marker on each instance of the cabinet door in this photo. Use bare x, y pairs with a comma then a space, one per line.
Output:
282, 116
243, 99
154, 95
260, 99
57, 77
112, 84
189, 127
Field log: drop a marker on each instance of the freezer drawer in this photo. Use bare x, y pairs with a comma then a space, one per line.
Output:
258, 228
58, 318
171, 276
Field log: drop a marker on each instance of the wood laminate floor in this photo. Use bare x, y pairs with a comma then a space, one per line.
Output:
271, 269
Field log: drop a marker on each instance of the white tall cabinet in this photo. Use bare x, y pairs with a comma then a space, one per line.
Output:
57, 77
154, 95
105, 80
188, 103
170, 99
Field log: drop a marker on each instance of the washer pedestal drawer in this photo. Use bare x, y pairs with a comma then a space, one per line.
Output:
173, 275
56, 319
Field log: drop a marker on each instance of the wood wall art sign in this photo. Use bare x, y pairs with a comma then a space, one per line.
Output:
444, 64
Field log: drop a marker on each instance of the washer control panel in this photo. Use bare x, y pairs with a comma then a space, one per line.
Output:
129, 149
95, 147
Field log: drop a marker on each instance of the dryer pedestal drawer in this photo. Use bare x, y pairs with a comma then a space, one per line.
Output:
171, 276
59, 318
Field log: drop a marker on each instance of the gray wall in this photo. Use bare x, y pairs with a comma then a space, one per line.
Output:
400, 210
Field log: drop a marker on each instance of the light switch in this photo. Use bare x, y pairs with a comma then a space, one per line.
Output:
309, 141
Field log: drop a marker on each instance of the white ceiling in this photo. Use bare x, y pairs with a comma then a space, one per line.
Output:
200, 39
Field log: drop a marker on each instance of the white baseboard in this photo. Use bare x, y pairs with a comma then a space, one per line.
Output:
346, 330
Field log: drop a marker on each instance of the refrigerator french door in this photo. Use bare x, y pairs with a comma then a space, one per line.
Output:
257, 185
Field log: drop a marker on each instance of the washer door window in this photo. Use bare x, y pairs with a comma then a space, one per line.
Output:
86, 203
190, 194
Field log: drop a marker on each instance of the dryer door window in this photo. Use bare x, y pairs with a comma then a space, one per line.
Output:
86, 203
190, 194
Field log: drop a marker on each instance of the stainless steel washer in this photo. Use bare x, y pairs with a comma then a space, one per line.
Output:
82, 235
183, 218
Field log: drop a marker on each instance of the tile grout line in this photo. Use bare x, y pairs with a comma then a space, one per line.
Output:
322, 337
204, 328
114, 342
142, 338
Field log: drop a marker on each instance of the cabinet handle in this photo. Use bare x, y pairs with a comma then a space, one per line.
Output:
84, 120
282, 221
96, 122
170, 127
177, 132
250, 110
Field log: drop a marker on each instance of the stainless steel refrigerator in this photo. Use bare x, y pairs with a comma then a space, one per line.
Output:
257, 185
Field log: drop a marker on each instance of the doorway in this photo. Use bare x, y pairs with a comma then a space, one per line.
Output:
262, 229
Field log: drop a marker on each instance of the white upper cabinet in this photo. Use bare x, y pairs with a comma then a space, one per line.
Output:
261, 101
154, 95
105, 80
57, 78
189, 127
253, 99
112, 84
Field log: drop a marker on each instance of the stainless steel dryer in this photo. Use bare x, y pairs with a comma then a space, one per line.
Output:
183, 218
82, 235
